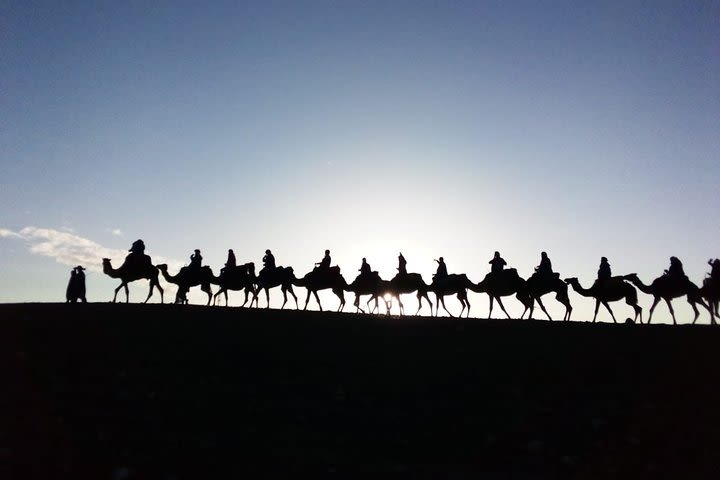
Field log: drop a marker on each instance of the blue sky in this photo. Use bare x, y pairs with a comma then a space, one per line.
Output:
437, 128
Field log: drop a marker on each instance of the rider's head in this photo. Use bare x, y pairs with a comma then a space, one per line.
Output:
603, 260
497, 254
327, 252
442, 259
543, 254
267, 252
197, 250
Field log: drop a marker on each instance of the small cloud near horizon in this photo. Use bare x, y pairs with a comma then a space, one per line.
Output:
71, 249
117, 232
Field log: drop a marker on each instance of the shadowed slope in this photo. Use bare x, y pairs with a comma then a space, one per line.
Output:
165, 391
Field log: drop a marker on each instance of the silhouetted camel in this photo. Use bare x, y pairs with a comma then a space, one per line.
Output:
408, 283
189, 277
501, 284
369, 284
277, 277
453, 284
235, 278
129, 272
610, 290
539, 285
667, 288
710, 291
322, 279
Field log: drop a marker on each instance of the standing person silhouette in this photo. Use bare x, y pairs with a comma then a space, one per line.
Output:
365, 268
497, 263
604, 272
402, 264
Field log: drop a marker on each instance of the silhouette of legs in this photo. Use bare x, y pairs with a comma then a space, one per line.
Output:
499, 300
609, 310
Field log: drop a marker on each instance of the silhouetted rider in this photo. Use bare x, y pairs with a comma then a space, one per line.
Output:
714, 269
324, 264
365, 268
268, 262
604, 272
676, 270
230, 262
196, 260
402, 264
545, 267
497, 263
137, 256
441, 271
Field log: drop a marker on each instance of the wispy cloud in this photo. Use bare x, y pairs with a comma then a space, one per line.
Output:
117, 232
71, 249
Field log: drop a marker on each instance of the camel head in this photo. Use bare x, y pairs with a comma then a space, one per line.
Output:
631, 277
162, 267
571, 280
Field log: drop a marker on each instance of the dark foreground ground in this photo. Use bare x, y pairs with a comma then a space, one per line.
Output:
168, 392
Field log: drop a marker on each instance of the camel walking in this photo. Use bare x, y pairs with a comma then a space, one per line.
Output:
404, 283
132, 271
235, 278
610, 290
539, 285
453, 284
189, 277
502, 284
710, 291
270, 278
369, 284
322, 280
666, 288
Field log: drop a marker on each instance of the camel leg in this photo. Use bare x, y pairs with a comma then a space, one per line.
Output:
341, 296
127, 294
425, 295
542, 307
491, 306
226, 297
562, 297
292, 292
442, 300
597, 307
638, 312
152, 287
267, 298
317, 299
531, 308
656, 300
499, 300
468, 306
672, 312
610, 310
401, 306
116, 291
207, 289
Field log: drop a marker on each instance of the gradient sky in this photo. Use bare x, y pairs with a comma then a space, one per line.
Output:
433, 128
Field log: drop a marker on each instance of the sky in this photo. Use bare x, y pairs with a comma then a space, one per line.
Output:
431, 128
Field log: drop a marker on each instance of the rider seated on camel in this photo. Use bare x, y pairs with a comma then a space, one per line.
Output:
324, 264
365, 268
497, 264
676, 271
230, 263
714, 269
268, 263
441, 272
136, 257
402, 265
545, 267
196, 260
604, 271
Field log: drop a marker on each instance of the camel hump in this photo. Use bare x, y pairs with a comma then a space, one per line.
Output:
335, 270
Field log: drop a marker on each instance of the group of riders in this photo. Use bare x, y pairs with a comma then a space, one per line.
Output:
544, 270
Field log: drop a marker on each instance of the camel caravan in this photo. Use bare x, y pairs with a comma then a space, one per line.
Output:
499, 282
